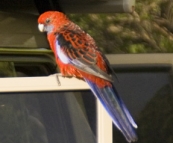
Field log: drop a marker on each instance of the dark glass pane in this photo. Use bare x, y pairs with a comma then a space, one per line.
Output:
49, 117
148, 96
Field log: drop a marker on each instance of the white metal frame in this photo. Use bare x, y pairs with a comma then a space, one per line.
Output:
59, 83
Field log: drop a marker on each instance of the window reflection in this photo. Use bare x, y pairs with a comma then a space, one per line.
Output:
29, 69
52, 117
148, 96
7, 69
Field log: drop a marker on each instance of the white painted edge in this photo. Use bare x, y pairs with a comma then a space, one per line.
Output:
45, 83
104, 130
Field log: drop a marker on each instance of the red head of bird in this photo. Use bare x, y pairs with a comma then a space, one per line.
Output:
51, 21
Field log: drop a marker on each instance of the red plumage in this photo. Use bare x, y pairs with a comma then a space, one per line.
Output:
61, 23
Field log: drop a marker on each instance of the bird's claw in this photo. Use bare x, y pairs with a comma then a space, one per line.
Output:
57, 77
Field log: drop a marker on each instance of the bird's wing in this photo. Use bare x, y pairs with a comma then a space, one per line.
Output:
74, 48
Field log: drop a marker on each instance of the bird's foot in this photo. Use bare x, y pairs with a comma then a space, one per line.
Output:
57, 77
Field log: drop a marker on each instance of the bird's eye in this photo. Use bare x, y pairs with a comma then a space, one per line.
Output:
47, 20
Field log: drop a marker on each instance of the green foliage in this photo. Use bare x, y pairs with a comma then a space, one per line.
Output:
149, 29
136, 48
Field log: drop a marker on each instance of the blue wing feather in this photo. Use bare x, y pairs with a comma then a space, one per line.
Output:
116, 109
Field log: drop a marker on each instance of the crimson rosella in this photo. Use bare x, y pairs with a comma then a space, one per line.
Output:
77, 54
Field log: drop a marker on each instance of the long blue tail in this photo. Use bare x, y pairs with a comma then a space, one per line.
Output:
121, 117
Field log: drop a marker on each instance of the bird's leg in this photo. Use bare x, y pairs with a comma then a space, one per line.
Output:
59, 83
57, 77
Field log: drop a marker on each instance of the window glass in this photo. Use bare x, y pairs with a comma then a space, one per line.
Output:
7, 69
49, 117
148, 96
19, 30
12, 69
27, 66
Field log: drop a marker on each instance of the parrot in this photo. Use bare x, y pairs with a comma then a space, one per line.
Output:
77, 55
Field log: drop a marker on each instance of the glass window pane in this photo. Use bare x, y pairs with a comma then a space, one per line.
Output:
148, 96
48, 117
7, 69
